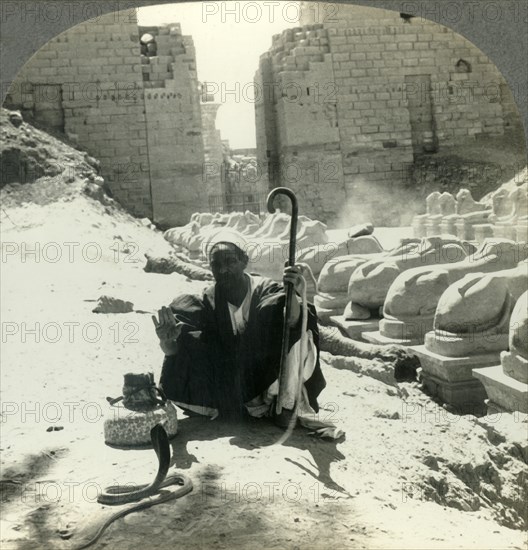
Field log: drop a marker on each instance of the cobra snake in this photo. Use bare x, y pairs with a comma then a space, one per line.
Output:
117, 494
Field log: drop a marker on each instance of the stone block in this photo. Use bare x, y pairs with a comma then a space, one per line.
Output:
48, 71
369, 129
410, 332
357, 56
361, 105
39, 63
358, 73
414, 54
465, 397
354, 329
509, 394
421, 45
341, 57
47, 53
482, 232
370, 39
453, 369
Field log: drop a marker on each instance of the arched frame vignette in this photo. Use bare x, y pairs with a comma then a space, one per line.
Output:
504, 41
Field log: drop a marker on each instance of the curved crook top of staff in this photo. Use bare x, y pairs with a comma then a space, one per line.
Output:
293, 227
282, 191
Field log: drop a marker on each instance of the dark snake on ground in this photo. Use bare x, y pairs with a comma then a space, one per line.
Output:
120, 495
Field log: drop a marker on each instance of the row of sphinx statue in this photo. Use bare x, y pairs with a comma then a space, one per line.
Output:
504, 214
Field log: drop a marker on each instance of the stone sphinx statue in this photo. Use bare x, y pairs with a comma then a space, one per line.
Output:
515, 361
332, 296
234, 218
522, 214
514, 223
307, 230
370, 282
248, 224
447, 207
242, 221
412, 299
230, 221
473, 314
219, 218
467, 206
184, 238
507, 384
272, 227
468, 213
190, 237
502, 204
268, 246
203, 218
318, 255
432, 208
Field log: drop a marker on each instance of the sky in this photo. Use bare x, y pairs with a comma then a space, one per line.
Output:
229, 38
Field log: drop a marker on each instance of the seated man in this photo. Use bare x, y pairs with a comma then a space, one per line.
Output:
223, 349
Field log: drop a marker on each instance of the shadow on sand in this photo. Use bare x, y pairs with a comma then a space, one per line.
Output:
255, 434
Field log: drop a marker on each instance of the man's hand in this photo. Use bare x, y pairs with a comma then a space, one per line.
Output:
293, 274
167, 330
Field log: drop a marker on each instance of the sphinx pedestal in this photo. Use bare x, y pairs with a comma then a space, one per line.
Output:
466, 229
404, 333
521, 232
505, 232
483, 231
450, 379
354, 329
447, 226
329, 304
448, 361
432, 226
504, 392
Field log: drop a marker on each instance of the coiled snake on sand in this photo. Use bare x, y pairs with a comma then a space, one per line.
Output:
119, 495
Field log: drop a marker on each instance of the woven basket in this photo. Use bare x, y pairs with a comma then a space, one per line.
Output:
126, 428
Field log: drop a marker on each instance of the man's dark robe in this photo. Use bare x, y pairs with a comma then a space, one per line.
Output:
217, 369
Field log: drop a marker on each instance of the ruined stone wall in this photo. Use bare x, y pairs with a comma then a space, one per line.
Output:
139, 114
87, 82
174, 126
299, 144
367, 92
383, 52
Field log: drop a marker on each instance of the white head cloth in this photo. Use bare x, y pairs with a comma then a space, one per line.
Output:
227, 236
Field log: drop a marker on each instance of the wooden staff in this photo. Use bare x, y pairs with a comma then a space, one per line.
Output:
289, 287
